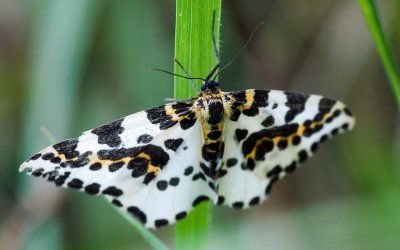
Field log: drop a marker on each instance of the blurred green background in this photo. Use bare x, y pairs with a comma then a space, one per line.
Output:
68, 66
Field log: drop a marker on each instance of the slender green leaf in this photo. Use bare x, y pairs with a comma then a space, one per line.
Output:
194, 49
147, 235
391, 68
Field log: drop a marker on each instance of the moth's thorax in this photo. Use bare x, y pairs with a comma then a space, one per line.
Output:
212, 106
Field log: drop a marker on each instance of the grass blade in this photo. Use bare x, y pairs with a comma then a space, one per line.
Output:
370, 12
194, 49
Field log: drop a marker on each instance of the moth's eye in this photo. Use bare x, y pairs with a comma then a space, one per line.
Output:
203, 87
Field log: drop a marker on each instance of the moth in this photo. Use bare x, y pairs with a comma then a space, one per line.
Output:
226, 147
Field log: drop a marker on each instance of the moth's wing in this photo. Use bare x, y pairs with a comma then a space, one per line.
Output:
267, 135
147, 163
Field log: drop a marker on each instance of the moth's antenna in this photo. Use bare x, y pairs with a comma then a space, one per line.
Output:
185, 77
213, 39
211, 73
188, 75
241, 50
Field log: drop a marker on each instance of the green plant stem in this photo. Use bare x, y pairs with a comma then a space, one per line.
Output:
194, 49
369, 10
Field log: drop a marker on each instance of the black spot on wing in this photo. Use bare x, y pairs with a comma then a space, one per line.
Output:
231, 162
269, 121
188, 121
260, 98
51, 175
60, 180
160, 223
282, 144
199, 176
325, 105
235, 113
188, 171
238, 205
113, 191
35, 157
138, 166
314, 147
254, 202
116, 202
291, 168
182, 108
38, 172
252, 111
56, 160
75, 183
144, 138
199, 200
173, 144
296, 103
211, 185
240, 134
80, 161
48, 156
181, 215
270, 184
174, 181
115, 166
67, 148
93, 188
240, 99
109, 133
149, 177
303, 155
275, 171
138, 214
95, 166
162, 185
296, 140
221, 200
348, 112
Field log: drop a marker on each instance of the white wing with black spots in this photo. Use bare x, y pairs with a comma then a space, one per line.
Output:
139, 162
271, 134
229, 148
180, 186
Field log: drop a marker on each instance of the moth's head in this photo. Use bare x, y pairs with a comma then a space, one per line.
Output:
209, 85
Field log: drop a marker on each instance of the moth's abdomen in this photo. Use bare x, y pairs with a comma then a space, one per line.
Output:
213, 124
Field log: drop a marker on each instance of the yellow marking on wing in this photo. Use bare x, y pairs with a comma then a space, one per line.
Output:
171, 112
250, 95
275, 140
106, 163
153, 169
249, 100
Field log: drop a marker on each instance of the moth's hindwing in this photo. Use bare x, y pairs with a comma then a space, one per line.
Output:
267, 136
140, 163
